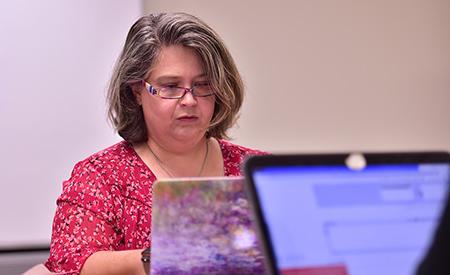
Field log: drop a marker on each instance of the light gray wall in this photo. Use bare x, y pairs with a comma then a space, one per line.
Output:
320, 76
56, 59
336, 75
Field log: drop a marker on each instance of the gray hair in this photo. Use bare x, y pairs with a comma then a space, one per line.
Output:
146, 38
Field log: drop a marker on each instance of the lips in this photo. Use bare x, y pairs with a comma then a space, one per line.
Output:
187, 118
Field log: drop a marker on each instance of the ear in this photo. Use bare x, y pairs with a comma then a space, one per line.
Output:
136, 88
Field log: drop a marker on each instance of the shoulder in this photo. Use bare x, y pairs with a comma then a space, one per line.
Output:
116, 152
112, 156
234, 155
103, 168
104, 178
229, 148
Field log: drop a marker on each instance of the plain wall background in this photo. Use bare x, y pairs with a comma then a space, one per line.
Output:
320, 76
56, 59
336, 75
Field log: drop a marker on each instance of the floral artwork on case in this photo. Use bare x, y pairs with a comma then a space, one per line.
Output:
203, 226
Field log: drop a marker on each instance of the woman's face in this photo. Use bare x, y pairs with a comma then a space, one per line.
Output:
185, 119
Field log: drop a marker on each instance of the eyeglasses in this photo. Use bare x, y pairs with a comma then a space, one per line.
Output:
174, 92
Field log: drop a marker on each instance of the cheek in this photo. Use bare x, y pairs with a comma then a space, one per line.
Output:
154, 112
209, 109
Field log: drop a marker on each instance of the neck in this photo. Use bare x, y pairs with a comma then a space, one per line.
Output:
180, 163
173, 149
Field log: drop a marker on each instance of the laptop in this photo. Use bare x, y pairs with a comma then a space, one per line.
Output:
341, 214
203, 226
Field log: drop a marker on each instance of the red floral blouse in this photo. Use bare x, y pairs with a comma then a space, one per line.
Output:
106, 204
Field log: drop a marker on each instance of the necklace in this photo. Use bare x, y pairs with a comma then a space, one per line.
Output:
166, 170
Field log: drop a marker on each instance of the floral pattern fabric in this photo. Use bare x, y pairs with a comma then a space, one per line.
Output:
106, 204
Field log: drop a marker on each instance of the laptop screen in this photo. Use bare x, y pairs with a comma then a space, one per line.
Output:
329, 219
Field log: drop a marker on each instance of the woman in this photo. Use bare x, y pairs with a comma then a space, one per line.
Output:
174, 93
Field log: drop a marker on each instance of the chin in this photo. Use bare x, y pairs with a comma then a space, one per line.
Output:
189, 135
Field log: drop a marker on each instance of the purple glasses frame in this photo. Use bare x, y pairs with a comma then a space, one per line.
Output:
159, 91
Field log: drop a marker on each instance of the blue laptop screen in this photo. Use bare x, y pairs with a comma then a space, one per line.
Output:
333, 220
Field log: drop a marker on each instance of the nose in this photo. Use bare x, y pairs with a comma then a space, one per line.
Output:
188, 98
